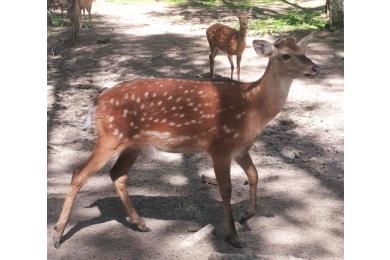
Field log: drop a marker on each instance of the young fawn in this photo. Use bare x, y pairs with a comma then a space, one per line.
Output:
229, 40
219, 118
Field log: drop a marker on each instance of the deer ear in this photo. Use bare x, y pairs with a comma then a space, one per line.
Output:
262, 47
302, 43
250, 11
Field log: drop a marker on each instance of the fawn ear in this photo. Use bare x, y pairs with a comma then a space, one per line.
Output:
250, 11
262, 47
302, 43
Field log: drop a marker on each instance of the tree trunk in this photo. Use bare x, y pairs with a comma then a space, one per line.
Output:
336, 12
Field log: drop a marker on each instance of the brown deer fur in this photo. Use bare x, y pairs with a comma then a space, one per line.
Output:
229, 40
177, 115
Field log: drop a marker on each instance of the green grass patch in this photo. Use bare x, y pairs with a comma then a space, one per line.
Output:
292, 20
56, 19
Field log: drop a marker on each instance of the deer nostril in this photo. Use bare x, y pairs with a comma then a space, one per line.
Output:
315, 68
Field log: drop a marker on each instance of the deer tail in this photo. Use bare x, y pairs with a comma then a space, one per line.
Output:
87, 121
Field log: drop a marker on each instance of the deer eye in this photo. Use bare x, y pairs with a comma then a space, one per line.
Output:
286, 56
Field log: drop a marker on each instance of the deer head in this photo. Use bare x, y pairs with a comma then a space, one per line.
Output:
243, 18
289, 56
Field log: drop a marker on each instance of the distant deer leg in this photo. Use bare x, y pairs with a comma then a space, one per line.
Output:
89, 17
222, 173
231, 65
62, 17
212, 55
119, 177
245, 162
100, 155
238, 66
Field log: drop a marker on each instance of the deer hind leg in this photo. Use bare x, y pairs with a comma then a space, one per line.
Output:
238, 66
221, 165
119, 177
231, 65
245, 162
82, 18
99, 157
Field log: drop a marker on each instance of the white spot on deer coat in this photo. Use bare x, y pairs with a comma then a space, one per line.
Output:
116, 132
146, 94
111, 119
125, 111
159, 102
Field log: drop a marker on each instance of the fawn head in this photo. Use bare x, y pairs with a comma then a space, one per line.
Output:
243, 18
289, 56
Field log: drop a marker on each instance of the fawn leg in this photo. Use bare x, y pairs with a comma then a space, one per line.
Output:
119, 177
245, 162
238, 66
231, 65
212, 55
221, 165
100, 155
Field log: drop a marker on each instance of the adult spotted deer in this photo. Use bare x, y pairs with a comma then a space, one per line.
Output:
229, 40
219, 118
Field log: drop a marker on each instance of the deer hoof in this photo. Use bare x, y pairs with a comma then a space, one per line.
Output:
234, 241
143, 228
56, 239
247, 215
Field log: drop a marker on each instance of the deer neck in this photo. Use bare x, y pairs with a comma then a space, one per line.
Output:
242, 33
269, 94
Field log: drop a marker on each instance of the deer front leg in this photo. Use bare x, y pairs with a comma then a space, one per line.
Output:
222, 174
238, 66
231, 65
119, 177
245, 162
212, 55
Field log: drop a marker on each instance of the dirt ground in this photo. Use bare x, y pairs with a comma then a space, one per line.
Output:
299, 157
